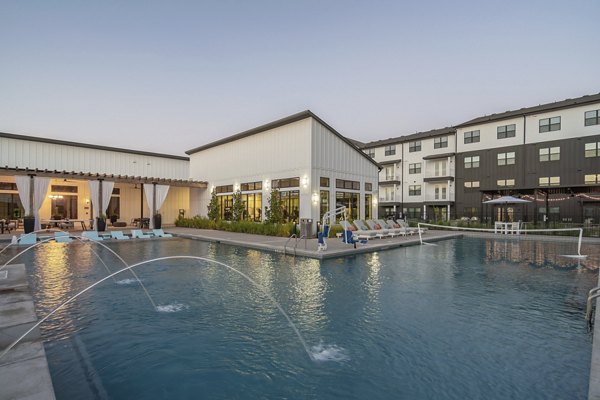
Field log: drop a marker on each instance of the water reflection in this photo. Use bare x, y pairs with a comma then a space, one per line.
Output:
540, 253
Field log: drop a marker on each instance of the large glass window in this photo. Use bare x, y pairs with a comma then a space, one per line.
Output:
63, 188
249, 186
472, 137
592, 117
224, 189
368, 205
63, 207
10, 206
390, 150
370, 152
550, 124
324, 203
252, 206
550, 154
505, 182
506, 131
472, 162
414, 146
324, 182
225, 206
413, 212
506, 158
368, 186
291, 205
440, 142
351, 201
471, 184
470, 212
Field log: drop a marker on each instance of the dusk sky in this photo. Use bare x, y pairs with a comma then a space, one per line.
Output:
170, 76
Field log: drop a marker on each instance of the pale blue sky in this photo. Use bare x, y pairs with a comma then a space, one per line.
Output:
168, 76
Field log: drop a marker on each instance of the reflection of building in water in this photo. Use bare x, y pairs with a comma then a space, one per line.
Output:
537, 252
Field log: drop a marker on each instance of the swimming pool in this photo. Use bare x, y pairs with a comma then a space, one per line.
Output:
468, 318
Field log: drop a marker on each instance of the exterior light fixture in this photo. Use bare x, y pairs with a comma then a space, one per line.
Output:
55, 196
305, 181
315, 198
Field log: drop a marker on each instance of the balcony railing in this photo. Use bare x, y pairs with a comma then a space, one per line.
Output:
388, 199
388, 178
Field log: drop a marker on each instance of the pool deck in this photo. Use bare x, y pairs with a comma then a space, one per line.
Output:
24, 372
308, 247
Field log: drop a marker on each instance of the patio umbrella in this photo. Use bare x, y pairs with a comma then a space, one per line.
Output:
506, 200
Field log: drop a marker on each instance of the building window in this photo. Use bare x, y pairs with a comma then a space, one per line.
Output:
440, 193
414, 190
224, 189
324, 203
549, 181
505, 182
506, 158
63, 188
413, 212
351, 201
414, 168
10, 206
368, 206
592, 149
592, 117
371, 153
8, 186
285, 183
472, 162
414, 146
506, 131
390, 150
248, 186
324, 182
550, 124
592, 179
471, 184
252, 206
368, 187
471, 137
440, 142
470, 212
344, 184
550, 154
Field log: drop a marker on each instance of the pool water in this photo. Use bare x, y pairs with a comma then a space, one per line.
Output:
468, 318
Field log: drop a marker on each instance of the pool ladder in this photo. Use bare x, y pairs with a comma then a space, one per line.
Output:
295, 243
592, 294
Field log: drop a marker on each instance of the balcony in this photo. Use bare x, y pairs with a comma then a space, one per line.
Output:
389, 198
432, 174
390, 179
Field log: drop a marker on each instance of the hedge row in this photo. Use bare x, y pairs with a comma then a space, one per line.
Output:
283, 230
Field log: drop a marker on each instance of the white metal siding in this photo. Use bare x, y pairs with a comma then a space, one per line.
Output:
30, 154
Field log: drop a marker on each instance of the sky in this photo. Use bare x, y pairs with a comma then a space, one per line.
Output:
169, 76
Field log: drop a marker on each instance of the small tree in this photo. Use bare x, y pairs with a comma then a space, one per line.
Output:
237, 211
274, 212
213, 207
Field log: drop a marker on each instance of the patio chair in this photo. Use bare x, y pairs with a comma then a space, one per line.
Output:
160, 233
358, 233
62, 237
392, 231
118, 235
91, 235
139, 234
391, 224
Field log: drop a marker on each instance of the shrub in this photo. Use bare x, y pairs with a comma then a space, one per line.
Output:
256, 228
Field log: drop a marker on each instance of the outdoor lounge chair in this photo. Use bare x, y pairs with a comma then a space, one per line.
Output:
62, 237
378, 228
91, 235
160, 233
28, 238
394, 225
392, 231
359, 234
139, 234
118, 235
410, 230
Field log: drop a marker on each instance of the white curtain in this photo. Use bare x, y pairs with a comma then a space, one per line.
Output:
161, 195
107, 189
23, 182
94, 191
40, 189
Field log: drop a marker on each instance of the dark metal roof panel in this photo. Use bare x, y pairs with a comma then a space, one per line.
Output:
568, 103
409, 138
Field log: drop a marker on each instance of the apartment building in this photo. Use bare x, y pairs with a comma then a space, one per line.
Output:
417, 176
548, 154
